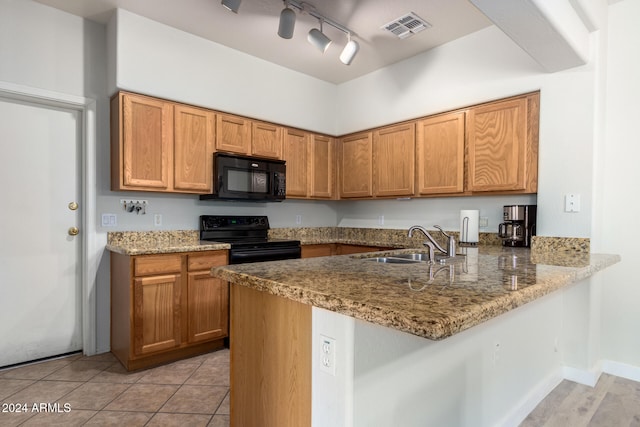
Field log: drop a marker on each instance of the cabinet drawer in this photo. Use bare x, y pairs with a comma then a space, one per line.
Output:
157, 264
207, 260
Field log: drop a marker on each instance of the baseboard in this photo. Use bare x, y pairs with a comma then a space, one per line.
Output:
581, 376
515, 417
623, 370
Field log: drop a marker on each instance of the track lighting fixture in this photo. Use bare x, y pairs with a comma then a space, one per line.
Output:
287, 22
350, 50
316, 36
319, 39
232, 5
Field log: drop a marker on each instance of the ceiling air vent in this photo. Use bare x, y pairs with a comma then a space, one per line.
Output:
406, 26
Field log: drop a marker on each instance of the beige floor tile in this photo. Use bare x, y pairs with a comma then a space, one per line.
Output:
79, 370
143, 398
9, 387
210, 374
12, 419
36, 371
119, 419
118, 374
44, 392
549, 405
217, 357
179, 420
103, 357
225, 406
176, 373
69, 419
194, 399
94, 396
220, 421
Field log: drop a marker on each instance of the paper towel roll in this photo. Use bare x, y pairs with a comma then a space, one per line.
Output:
469, 219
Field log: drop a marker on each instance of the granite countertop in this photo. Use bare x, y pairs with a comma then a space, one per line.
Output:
159, 242
431, 301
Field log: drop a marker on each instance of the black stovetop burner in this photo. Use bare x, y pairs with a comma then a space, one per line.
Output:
248, 236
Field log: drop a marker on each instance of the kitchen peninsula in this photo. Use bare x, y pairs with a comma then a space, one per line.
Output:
281, 311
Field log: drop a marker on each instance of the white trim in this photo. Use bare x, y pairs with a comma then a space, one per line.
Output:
517, 415
620, 369
87, 108
582, 376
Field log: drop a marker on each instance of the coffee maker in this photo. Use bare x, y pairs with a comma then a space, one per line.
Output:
518, 226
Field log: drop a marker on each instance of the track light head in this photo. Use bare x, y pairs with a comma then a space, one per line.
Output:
232, 5
317, 38
349, 52
287, 23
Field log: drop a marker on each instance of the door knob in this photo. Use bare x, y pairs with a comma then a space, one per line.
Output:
73, 231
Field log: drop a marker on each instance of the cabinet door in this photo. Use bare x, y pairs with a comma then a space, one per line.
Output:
233, 134
156, 313
266, 140
322, 160
496, 136
394, 160
296, 149
147, 141
193, 149
208, 302
440, 154
356, 162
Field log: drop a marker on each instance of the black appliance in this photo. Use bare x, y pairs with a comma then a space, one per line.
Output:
248, 238
247, 178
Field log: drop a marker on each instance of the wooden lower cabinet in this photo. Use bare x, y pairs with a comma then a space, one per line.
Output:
167, 307
270, 360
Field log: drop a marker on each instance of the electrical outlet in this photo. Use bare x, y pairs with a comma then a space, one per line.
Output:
328, 355
483, 222
298, 219
157, 220
572, 202
381, 220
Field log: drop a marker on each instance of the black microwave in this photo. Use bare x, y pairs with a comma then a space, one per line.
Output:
247, 178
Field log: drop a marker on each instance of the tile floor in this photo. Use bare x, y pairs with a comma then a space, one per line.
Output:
99, 392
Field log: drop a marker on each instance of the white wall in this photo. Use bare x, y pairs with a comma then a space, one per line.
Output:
620, 203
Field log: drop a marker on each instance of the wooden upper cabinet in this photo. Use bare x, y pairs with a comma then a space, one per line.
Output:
142, 140
193, 153
233, 134
440, 154
266, 140
158, 145
394, 160
356, 163
296, 155
322, 165
503, 145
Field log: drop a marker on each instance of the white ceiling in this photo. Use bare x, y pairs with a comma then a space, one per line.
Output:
253, 29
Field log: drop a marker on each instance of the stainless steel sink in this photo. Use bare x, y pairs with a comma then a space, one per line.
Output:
413, 257
391, 260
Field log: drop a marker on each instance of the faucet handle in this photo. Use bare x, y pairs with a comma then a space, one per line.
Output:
441, 230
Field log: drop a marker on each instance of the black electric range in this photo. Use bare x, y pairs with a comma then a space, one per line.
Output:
248, 237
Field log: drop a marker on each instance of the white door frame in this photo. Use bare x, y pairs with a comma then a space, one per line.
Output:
89, 262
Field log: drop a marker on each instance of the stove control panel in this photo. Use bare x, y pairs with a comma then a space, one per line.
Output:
213, 222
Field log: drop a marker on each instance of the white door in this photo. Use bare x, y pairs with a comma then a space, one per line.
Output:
40, 268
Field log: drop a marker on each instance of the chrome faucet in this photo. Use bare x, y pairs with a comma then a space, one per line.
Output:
451, 241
